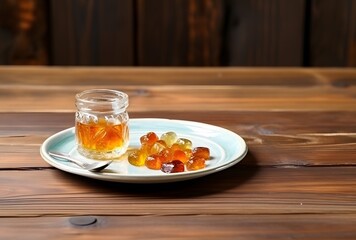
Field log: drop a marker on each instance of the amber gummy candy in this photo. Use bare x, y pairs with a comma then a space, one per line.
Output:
158, 146
169, 153
165, 155
153, 162
184, 143
137, 158
202, 152
180, 155
195, 163
150, 138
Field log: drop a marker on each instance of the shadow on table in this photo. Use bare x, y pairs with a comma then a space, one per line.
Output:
217, 182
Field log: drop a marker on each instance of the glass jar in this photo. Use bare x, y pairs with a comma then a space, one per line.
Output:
101, 123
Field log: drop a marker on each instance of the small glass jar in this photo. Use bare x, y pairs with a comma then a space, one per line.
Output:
101, 123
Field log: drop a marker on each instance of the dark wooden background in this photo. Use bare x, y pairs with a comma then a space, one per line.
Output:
178, 32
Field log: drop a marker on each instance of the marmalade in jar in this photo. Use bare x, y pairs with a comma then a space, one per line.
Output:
101, 124
101, 136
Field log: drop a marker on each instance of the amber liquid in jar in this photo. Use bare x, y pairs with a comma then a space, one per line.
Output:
101, 136
101, 126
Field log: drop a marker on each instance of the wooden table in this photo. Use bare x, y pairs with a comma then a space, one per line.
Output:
298, 180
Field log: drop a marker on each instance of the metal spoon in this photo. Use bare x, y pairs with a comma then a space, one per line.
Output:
93, 167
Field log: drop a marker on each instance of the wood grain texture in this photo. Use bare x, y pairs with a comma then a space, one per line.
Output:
297, 180
233, 89
92, 32
240, 76
237, 190
179, 33
148, 98
317, 226
282, 139
106, 76
264, 33
332, 33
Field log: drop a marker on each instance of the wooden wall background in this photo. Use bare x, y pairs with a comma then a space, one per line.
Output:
178, 32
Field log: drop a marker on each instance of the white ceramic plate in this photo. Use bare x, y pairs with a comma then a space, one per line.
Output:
226, 149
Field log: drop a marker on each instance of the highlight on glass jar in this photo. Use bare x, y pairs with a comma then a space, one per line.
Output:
101, 123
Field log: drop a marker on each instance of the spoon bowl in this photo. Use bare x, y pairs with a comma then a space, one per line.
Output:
92, 167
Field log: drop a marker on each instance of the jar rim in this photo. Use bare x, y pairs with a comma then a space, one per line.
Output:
102, 97
97, 95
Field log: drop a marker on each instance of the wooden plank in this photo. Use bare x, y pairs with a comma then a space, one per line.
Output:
108, 76
332, 33
180, 33
180, 98
316, 226
23, 33
92, 32
237, 190
264, 33
29, 90
338, 80
274, 138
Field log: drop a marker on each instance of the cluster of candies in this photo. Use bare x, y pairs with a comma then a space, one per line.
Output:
168, 153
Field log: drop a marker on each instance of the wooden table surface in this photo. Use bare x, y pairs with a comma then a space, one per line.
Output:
298, 180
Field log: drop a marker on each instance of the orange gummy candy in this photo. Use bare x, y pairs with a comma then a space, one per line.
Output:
202, 152
153, 162
149, 138
195, 163
180, 155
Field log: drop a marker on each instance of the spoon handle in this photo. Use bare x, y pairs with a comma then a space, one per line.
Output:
66, 157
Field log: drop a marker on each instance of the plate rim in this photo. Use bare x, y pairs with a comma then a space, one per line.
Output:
142, 178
